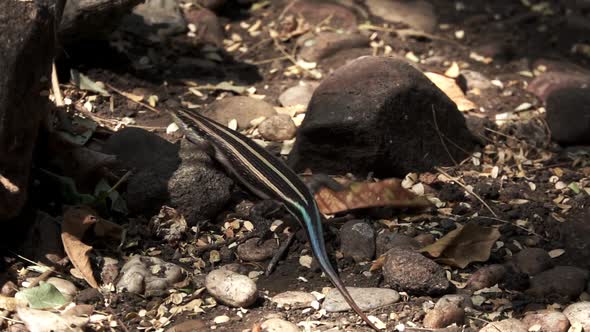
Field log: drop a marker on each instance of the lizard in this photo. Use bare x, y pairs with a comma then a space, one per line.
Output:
268, 177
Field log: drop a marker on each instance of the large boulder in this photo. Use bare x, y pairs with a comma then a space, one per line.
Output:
27, 41
183, 176
92, 19
380, 115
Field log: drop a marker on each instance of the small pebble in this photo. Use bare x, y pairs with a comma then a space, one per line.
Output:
250, 251
65, 287
486, 276
277, 128
388, 240
411, 272
231, 288
293, 299
366, 298
506, 325
221, 319
579, 313
567, 281
532, 261
278, 325
357, 240
550, 321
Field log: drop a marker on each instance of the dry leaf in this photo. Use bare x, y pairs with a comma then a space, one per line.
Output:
77, 221
452, 90
377, 264
359, 195
466, 244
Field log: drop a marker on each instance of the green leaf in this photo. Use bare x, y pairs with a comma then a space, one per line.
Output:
84, 129
103, 191
85, 83
574, 187
44, 296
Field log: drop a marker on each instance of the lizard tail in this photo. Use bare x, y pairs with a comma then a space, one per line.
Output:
329, 270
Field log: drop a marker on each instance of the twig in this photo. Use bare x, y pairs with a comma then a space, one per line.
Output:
515, 225
59, 99
275, 259
153, 109
286, 9
291, 58
265, 61
12, 320
121, 180
42, 277
220, 244
442, 141
469, 191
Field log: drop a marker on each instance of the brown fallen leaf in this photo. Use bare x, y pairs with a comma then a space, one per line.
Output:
377, 264
466, 244
452, 90
77, 221
359, 195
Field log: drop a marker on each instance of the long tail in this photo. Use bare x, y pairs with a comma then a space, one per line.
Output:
322, 257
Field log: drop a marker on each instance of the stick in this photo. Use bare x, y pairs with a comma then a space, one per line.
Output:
122, 93
275, 259
59, 99
469, 191
442, 141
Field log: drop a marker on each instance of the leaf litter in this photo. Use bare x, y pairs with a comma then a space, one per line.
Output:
510, 158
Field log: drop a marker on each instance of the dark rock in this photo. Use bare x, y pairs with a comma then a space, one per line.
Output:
574, 234
563, 281
358, 121
197, 188
568, 77
243, 109
408, 271
208, 29
88, 295
211, 4
43, 241
155, 20
424, 239
28, 42
250, 251
184, 177
92, 19
327, 43
532, 261
316, 12
418, 14
188, 326
486, 276
568, 115
387, 240
357, 240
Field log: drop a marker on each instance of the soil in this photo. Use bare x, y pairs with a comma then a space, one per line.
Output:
505, 28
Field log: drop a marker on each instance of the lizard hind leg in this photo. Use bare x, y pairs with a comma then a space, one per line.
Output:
317, 181
262, 214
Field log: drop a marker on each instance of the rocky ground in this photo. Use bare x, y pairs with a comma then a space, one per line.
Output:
479, 109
